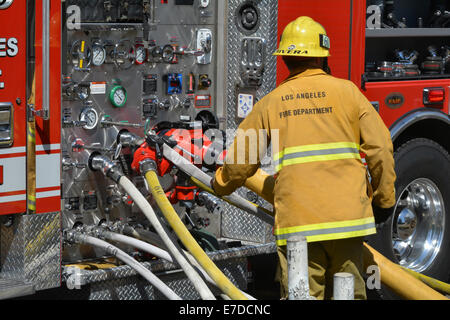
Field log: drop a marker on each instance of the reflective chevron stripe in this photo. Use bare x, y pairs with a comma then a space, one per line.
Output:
328, 230
316, 152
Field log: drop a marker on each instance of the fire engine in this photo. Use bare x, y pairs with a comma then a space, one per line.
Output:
95, 97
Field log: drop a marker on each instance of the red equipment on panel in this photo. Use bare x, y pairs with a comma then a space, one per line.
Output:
192, 143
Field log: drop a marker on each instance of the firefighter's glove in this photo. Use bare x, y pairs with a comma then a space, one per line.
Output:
219, 185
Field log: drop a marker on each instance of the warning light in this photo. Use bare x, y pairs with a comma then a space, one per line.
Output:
434, 97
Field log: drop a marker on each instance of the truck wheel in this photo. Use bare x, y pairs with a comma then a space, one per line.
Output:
417, 234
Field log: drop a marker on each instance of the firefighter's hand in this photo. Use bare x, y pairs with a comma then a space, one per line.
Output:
218, 184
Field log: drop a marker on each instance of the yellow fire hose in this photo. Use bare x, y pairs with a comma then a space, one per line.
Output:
392, 275
31, 155
188, 241
435, 284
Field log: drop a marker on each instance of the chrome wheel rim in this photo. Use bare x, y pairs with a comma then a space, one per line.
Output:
418, 225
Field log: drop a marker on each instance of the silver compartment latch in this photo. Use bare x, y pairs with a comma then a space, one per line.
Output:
204, 44
6, 124
253, 52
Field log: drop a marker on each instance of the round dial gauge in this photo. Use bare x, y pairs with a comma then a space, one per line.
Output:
98, 55
141, 54
89, 115
118, 96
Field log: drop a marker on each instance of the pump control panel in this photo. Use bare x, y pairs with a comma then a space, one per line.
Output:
129, 65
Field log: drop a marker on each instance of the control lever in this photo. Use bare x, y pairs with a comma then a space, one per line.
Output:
107, 121
78, 145
206, 43
155, 142
73, 123
182, 51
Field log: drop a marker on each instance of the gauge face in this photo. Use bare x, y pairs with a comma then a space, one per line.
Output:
98, 55
118, 96
89, 115
141, 54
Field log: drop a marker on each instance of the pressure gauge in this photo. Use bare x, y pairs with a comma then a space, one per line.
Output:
98, 54
118, 96
141, 54
89, 115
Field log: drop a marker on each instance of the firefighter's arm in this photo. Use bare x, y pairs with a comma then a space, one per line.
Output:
243, 155
376, 143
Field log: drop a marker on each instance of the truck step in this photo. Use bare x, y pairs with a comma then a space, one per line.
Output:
10, 288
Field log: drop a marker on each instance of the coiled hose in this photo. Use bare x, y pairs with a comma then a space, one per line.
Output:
146, 208
121, 255
188, 241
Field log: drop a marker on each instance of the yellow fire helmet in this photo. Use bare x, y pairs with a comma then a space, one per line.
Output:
304, 37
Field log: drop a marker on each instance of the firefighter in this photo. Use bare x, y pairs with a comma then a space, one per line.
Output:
323, 190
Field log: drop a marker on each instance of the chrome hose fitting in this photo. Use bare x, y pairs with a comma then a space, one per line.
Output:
128, 139
98, 162
147, 165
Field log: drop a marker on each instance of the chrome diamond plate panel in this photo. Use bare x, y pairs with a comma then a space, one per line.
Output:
31, 250
268, 30
237, 224
122, 283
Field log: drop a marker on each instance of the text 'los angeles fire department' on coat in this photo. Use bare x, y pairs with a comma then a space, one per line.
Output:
322, 190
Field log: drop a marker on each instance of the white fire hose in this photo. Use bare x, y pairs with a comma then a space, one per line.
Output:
98, 162
121, 255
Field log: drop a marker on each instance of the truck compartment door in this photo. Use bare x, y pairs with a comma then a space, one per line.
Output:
13, 106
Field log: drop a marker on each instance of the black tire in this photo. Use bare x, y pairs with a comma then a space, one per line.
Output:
420, 161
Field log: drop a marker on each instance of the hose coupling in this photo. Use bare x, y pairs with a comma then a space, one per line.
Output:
213, 204
76, 236
128, 139
147, 165
73, 236
98, 162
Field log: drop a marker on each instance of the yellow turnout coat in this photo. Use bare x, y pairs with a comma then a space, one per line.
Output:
322, 188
